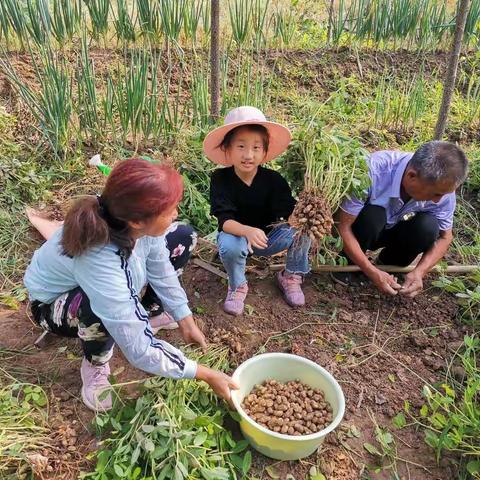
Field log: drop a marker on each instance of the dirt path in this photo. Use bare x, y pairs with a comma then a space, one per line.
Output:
381, 350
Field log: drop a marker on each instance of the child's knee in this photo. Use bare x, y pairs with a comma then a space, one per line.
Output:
231, 247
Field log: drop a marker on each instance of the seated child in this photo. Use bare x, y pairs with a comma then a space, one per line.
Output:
253, 203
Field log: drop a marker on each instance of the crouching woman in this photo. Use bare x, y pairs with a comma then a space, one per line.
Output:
86, 279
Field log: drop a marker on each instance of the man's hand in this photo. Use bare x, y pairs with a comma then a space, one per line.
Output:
384, 281
219, 382
413, 284
255, 238
191, 333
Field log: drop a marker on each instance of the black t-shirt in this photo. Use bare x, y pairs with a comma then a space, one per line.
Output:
266, 201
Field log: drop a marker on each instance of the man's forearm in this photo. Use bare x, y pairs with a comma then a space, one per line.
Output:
352, 248
431, 257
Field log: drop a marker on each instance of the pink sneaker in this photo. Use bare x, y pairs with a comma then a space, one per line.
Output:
95, 382
290, 285
164, 321
234, 303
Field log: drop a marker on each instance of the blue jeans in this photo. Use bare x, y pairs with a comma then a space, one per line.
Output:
233, 252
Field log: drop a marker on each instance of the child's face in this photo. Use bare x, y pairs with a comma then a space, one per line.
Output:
246, 151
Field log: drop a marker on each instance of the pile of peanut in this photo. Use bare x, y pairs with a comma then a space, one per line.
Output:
292, 408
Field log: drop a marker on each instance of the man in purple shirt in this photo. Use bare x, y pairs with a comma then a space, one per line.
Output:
408, 210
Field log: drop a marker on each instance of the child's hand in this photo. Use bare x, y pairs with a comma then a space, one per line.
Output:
255, 238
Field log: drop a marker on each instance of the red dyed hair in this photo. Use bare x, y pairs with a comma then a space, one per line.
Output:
136, 190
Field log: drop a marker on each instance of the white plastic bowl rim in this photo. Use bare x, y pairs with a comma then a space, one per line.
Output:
299, 438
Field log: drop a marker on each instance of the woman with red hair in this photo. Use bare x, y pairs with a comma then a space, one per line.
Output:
86, 279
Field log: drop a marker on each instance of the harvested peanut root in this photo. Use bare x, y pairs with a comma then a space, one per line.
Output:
312, 216
291, 408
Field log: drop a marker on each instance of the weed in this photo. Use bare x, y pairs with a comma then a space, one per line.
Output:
451, 416
23, 425
467, 291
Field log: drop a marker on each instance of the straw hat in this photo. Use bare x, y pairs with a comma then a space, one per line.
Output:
280, 136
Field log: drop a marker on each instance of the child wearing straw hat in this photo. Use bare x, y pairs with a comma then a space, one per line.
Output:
253, 203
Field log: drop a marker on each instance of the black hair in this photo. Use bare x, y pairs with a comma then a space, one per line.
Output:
251, 127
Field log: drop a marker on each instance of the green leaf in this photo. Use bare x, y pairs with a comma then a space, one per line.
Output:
104, 395
315, 474
473, 467
135, 455
118, 470
200, 439
178, 475
240, 446
272, 472
10, 302
371, 449
433, 332
424, 411
116, 424
237, 460
41, 401
235, 415
217, 473
249, 309
431, 439
399, 420
136, 473
247, 462
354, 431
449, 390
160, 451
148, 445
438, 420
385, 438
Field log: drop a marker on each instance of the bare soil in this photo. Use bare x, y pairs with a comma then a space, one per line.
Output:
381, 350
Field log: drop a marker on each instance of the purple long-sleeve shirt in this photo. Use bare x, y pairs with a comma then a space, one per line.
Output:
386, 169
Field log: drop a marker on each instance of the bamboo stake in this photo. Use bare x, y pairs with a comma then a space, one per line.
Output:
385, 268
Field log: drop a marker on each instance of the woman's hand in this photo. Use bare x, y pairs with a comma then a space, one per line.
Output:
191, 333
255, 238
219, 382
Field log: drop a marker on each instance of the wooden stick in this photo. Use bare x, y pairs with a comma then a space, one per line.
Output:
210, 268
385, 268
